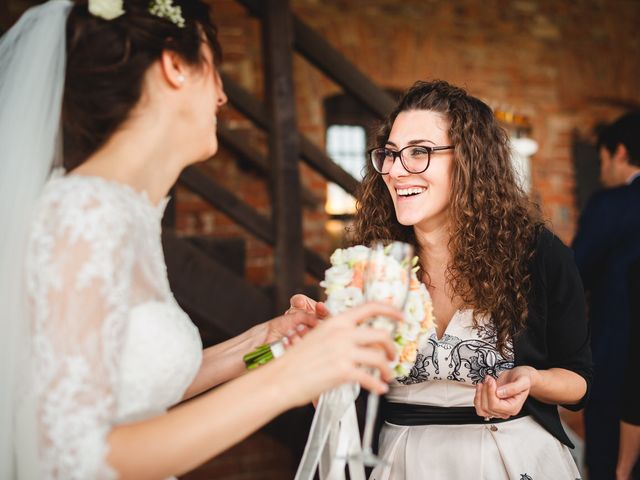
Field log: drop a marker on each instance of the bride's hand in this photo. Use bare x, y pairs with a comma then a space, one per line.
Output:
335, 353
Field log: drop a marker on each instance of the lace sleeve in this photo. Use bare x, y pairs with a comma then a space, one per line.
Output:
81, 282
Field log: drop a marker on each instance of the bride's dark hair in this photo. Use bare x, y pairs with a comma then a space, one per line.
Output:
107, 61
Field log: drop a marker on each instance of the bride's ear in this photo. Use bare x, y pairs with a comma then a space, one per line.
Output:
174, 68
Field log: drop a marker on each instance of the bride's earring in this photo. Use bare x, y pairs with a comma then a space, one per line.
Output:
181, 79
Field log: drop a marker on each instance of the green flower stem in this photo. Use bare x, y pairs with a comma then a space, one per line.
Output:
257, 357
265, 353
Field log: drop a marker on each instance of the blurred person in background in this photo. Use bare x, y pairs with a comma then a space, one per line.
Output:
630, 420
605, 245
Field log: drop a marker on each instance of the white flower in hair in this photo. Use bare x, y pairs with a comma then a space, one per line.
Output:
167, 10
107, 9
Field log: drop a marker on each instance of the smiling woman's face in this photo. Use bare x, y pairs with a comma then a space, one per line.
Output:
421, 200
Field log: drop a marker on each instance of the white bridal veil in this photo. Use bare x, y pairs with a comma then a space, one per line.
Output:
32, 66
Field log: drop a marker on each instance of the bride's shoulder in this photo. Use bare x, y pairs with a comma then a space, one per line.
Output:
75, 202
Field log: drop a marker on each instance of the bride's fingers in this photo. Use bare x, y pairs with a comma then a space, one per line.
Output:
374, 336
366, 311
370, 382
373, 358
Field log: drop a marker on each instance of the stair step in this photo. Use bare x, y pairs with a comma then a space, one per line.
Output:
230, 252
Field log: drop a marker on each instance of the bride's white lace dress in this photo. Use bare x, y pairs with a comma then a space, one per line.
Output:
110, 343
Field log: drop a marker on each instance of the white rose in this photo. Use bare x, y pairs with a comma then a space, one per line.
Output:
414, 308
107, 9
336, 278
358, 253
343, 299
337, 257
408, 331
379, 291
383, 323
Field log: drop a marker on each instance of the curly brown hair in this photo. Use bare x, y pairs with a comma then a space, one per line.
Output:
492, 223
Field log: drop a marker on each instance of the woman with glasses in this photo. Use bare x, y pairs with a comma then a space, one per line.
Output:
511, 341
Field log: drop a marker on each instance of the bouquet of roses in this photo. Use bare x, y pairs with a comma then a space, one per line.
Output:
344, 288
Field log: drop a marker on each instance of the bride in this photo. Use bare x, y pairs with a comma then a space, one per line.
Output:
94, 350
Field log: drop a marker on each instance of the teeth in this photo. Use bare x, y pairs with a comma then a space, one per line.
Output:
409, 191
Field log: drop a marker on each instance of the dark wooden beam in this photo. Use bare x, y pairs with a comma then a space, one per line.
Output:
321, 163
212, 294
227, 202
250, 106
332, 63
240, 147
243, 214
289, 261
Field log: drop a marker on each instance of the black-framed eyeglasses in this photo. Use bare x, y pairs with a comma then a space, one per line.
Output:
416, 160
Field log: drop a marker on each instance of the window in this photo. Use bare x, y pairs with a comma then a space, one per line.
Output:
346, 145
521, 150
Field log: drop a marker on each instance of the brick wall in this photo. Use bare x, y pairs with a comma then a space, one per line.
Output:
565, 65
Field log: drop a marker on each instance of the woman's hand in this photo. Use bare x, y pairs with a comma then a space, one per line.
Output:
303, 303
302, 316
504, 397
338, 352
292, 325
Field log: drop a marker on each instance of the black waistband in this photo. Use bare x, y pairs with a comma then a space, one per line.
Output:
410, 414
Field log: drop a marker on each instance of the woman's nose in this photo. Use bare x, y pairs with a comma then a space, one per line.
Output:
397, 168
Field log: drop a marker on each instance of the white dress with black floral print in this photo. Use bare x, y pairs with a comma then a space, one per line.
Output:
445, 374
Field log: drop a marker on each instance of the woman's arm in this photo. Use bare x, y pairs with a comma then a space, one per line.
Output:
555, 385
564, 324
188, 435
629, 450
195, 431
223, 362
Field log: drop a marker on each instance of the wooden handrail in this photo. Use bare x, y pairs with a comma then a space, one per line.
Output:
239, 146
250, 106
243, 214
332, 63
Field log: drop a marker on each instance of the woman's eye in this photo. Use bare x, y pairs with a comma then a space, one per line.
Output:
419, 152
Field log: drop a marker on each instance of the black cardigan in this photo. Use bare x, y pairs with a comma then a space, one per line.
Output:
557, 332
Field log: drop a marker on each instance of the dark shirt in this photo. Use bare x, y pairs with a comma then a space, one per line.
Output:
557, 333
607, 242
631, 392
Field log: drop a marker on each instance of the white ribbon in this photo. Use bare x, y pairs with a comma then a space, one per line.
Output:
334, 438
